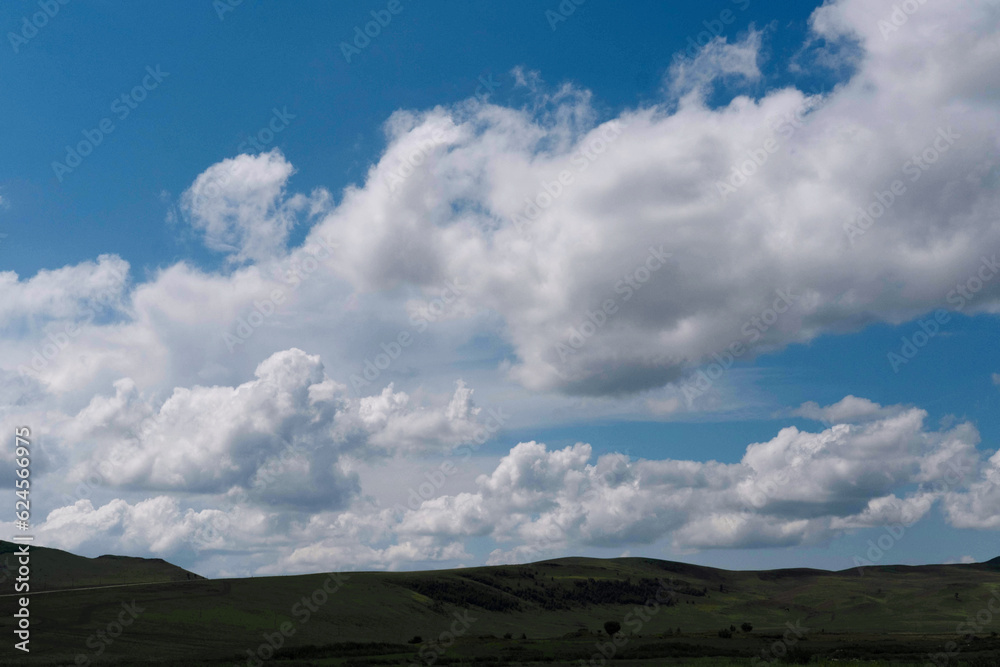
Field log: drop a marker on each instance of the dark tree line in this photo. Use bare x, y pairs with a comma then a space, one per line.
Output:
513, 590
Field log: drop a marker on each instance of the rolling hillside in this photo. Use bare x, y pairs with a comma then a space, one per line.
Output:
558, 606
53, 569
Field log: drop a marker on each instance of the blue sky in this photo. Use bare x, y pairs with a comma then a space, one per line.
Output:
226, 75
189, 230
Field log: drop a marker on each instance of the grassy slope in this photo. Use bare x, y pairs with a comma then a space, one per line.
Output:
53, 569
225, 617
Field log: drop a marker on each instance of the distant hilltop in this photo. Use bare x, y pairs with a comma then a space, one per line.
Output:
54, 569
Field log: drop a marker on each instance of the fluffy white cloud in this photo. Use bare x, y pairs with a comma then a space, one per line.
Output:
155, 525
889, 510
342, 554
610, 254
395, 425
547, 255
267, 541
797, 488
978, 508
73, 294
241, 207
285, 436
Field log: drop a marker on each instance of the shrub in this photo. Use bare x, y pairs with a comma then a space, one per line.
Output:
612, 628
746, 627
417, 639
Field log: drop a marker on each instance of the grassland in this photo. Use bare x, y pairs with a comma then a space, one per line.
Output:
54, 569
551, 612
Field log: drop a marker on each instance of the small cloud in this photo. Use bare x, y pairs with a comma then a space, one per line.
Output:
996, 379
849, 410
964, 560
715, 60
663, 407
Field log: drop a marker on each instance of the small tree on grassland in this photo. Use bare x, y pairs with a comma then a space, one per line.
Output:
612, 628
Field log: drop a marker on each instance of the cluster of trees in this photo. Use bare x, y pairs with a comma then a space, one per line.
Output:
569, 593
510, 589
614, 627
727, 633
463, 593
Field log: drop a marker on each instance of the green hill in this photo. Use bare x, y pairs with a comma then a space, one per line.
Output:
53, 569
558, 606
